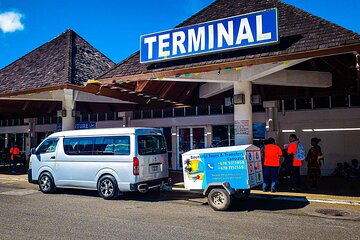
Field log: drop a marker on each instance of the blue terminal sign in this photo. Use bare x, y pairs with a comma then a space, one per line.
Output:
243, 31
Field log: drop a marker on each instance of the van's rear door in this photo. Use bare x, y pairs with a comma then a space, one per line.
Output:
153, 157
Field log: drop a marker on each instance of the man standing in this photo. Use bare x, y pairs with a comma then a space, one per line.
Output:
272, 154
14, 153
296, 164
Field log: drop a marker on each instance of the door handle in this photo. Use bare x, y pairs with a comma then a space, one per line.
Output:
52, 157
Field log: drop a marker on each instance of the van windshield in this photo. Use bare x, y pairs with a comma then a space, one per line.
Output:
151, 144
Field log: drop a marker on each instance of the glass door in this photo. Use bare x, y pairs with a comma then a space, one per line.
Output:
189, 138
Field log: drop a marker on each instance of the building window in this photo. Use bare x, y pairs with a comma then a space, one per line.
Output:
321, 102
157, 113
339, 101
179, 112
289, 104
215, 109
146, 114
190, 111
355, 100
223, 135
168, 112
304, 103
203, 110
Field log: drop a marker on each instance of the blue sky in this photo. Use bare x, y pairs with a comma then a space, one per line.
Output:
114, 27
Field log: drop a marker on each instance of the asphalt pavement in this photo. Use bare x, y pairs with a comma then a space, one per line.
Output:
26, 213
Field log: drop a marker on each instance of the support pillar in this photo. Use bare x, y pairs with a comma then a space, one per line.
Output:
271, 118
243, 113
68, 104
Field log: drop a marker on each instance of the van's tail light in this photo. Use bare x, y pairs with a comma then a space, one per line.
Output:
135, 166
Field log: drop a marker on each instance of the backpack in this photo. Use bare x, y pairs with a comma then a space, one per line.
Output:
300, 152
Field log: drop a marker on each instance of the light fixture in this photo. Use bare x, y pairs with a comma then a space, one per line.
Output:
61, 113
154, 98
335, 129
131, 92
307, 130
123, 90
288, 131
140, 94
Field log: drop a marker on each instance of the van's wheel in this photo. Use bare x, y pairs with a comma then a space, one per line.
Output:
219, 199
107, 187
46, 183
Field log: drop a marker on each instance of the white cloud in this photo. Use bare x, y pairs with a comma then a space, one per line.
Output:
10, 22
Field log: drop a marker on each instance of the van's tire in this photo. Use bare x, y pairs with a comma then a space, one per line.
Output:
46, 183
219, 199
107, 187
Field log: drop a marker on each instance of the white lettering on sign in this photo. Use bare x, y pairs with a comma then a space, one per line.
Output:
252, 29
178, 42
228, 34
260, 36
163, 45
196, 41
244, 32
150, 42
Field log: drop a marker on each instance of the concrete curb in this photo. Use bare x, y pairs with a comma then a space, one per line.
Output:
306, 199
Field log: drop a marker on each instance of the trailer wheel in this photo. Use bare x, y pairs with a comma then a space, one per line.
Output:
219, 199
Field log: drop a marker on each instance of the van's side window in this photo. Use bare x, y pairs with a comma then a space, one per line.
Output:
48, 146
117, 145
151, 144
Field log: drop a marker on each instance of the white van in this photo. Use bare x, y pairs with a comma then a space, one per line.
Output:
112, 160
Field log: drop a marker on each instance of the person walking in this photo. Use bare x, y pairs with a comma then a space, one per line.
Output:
296, 163
14, 153
272, 154
313, 160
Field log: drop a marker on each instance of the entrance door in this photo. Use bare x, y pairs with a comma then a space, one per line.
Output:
189, 138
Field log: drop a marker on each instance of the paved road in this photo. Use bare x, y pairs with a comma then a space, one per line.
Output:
72, 214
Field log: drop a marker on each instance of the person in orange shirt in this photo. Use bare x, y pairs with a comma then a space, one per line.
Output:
272, 154
14, 152
295, 176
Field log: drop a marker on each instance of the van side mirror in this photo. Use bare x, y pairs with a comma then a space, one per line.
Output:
33, 151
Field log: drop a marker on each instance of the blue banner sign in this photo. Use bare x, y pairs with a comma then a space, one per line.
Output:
253, 29
85, 125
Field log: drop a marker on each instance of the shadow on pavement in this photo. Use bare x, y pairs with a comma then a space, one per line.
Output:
7, 170
248, 205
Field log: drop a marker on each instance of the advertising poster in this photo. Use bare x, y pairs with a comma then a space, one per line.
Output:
241, 127
221, 167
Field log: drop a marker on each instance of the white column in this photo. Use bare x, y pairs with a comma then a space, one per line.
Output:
174, 147
271, 116
243, 114
68, 104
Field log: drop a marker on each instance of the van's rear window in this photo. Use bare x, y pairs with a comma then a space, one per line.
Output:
119, 145
151, 144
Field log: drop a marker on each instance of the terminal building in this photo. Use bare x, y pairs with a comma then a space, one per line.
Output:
304, 78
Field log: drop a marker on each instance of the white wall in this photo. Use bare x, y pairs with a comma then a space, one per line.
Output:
337, 146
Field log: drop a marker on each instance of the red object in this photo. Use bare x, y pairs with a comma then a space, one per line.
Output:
197, 176
272, 154
292, 150
136, 166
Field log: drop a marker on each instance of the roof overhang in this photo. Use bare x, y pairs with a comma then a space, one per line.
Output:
178, 70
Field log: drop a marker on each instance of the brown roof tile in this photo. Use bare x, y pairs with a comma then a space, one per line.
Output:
299, 31
67, 59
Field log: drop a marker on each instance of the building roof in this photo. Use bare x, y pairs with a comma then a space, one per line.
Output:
67, 59
301, 35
